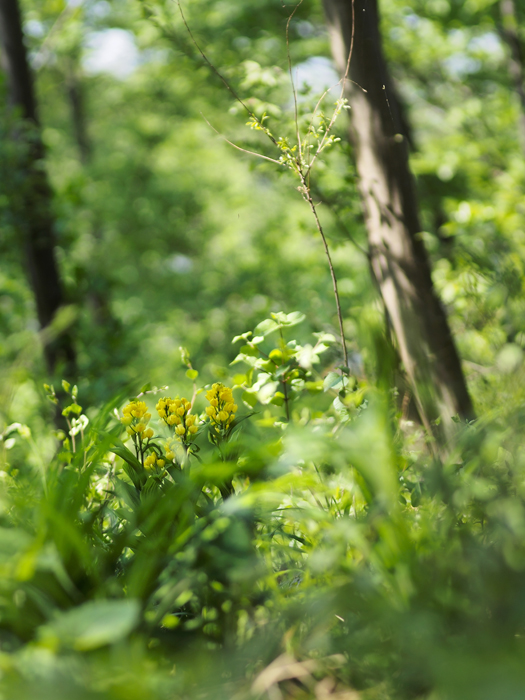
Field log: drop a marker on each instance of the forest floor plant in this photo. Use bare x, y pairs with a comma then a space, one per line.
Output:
264, 540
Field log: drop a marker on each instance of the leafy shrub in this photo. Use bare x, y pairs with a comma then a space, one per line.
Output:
278, 537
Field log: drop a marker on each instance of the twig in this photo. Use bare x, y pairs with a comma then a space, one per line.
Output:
222, 78
294, 91
341, 223
239, 148
307, 195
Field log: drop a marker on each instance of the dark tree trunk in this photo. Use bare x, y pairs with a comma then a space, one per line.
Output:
78, 115
398, 257
509, 32
35, 218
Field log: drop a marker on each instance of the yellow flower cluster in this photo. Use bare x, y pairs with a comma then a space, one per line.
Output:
152, 460
221, 410
168, 448
176, 414
136, 418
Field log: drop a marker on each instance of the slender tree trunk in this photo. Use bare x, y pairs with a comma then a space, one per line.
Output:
35, 218
78, 114
398, 257
509, 32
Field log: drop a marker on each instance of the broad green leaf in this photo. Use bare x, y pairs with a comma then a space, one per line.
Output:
249, 398
266, 327
331, 380
266, 393
248, 359
127, 493
94, 624
289, 320
73, 408
244, 336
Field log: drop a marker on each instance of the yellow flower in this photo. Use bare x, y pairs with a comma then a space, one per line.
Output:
149, 462
135, 417
193, 429
170, 456
180, 430
148, 433
221, 410
160, 463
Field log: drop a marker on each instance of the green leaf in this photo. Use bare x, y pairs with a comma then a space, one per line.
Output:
134, 468
266, 327
192, 374
244, 336
249, 350
314, 387
242, 357
145, 388
289, 320
267, 392
93, 624
278, 399
250, 399
184, 355
66, 386
127, 493
73, 408
325, 337
331, 380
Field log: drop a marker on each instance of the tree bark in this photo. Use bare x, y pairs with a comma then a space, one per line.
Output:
509, 32
398, 257
35, 216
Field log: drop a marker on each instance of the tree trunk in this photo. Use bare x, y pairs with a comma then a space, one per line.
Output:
78, 116
509, 32
35, 217
398, 257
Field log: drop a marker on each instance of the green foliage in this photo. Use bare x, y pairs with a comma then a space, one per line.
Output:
304, 544
316, 552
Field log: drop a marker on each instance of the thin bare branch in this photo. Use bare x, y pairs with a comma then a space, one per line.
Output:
219, 75
307, 195
343, 86
240, 148
333, 208
294, 91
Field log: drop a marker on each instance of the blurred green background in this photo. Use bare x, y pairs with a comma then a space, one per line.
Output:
167, 236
